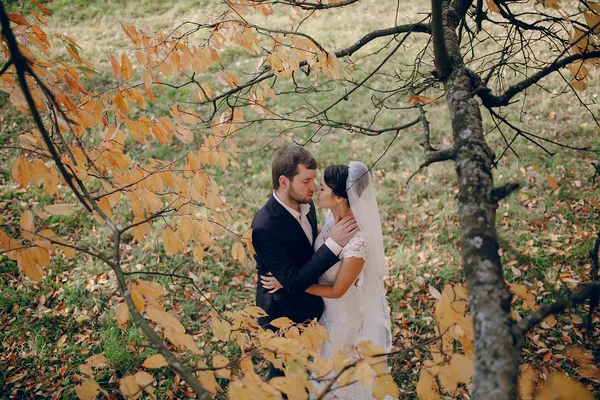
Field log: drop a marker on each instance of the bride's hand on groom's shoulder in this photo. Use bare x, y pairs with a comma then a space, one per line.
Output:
269, 282
343, 229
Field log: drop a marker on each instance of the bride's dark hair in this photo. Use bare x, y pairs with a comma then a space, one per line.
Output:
335, 177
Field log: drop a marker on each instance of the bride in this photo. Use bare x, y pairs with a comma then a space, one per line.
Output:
352, 290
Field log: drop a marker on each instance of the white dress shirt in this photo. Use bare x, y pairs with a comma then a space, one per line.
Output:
302, 219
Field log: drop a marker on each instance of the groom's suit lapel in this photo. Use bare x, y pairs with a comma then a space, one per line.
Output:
287, 218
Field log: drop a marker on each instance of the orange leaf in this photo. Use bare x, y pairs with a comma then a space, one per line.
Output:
41, 7
595, 204
115, 66
18, 19
547, 356
27, 225
552, 182
421, 99
492, 6
555, 4
126, 69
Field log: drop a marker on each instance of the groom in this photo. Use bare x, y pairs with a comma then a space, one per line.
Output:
283, 233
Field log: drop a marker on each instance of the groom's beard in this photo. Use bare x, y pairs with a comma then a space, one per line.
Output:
297, 198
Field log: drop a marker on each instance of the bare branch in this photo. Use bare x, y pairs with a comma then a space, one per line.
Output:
594, 277
442, 60
434, 157
489, 100
535, 317
502, 192
309, 6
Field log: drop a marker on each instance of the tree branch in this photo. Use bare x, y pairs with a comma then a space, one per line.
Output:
594, 277
489, 100
535, 317
441, 59
348, 51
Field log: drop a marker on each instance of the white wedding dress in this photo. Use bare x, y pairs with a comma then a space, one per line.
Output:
362, 312
344, 317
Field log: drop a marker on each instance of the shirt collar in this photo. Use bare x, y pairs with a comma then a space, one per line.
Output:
304, 208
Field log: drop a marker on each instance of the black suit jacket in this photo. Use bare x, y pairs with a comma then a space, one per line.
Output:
283, 249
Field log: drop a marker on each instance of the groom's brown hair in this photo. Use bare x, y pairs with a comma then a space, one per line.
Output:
286, 163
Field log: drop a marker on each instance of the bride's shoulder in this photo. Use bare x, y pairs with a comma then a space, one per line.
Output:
359, 239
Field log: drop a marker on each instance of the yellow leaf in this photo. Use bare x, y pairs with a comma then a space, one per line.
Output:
587, 365
129, 387
363, 373
199, 253
560, 387
526, 295
122, 314
238, 253
462, 368
321, 365
163, 318
282, 323
383, 386
368, 348
88, 390
59, 209
171, 241
155, 361
526, 383
183, 340
292, 386
96, 360
340, 359
220, 361
246, 366
87, 370
221, 329
207, 380
427, 388
255, 312
144, 379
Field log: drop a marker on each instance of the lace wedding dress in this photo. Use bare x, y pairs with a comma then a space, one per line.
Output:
344, 317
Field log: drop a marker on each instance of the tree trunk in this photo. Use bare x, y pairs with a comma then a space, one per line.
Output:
497, 353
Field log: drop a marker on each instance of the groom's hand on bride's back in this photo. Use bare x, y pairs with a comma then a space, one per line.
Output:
343, 229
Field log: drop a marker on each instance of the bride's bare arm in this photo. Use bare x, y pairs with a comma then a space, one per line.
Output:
346, 276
